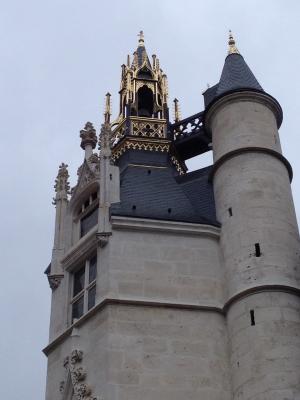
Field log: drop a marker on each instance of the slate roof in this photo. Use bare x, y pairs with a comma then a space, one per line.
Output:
155, 192
141, 55
235, 75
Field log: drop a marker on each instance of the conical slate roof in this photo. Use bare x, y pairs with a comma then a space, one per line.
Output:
235, 75
142, 55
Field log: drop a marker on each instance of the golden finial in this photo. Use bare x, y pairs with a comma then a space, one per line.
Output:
232, 47
176, 110
141, 38
107, 112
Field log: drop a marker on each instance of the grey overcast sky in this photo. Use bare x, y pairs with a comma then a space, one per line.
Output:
58, 59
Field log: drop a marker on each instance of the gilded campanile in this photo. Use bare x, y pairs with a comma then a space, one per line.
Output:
168, 284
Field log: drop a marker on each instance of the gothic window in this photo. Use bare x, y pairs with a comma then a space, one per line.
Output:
88, 214
84, 288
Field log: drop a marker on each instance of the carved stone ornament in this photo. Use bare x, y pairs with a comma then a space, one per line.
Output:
104, 140
102, 238
62, 386
76, 356
61, 181
88, 136
77, 375
54, 280
87, 173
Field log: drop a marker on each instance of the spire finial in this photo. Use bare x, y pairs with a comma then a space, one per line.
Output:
107, 112
62, 185
141, 38
232, 47
176, 110
88, 139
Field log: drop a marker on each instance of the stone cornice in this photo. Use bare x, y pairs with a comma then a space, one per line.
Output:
220, 309
260, 289
152, 225
129, 302
81, 249
240, 96
243, 150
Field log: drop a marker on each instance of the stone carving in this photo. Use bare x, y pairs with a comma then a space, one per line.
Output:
77, 374
76, 356
94, 163
85, 176
54, 280
66, 362
88, 136
104, 139
61, 181
62, 185
87, 173
62, 386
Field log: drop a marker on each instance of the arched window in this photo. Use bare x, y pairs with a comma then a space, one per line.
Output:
145, 102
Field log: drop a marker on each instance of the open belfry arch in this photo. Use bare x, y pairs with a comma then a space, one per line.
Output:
168, 284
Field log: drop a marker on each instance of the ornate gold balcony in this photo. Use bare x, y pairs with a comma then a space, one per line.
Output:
140, 126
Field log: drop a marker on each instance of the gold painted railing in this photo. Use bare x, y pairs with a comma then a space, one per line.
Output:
140, 126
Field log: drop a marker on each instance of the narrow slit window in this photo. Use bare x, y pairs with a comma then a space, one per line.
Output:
252, 317
257, 250
230, 211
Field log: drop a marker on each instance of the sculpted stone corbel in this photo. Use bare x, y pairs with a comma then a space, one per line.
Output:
54, 280
102, 238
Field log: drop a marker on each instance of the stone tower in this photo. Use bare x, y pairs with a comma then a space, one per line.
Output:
168, 284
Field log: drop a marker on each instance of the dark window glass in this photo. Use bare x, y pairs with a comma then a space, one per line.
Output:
93, 269
88, 222
91, 297
77, 308
78, 281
